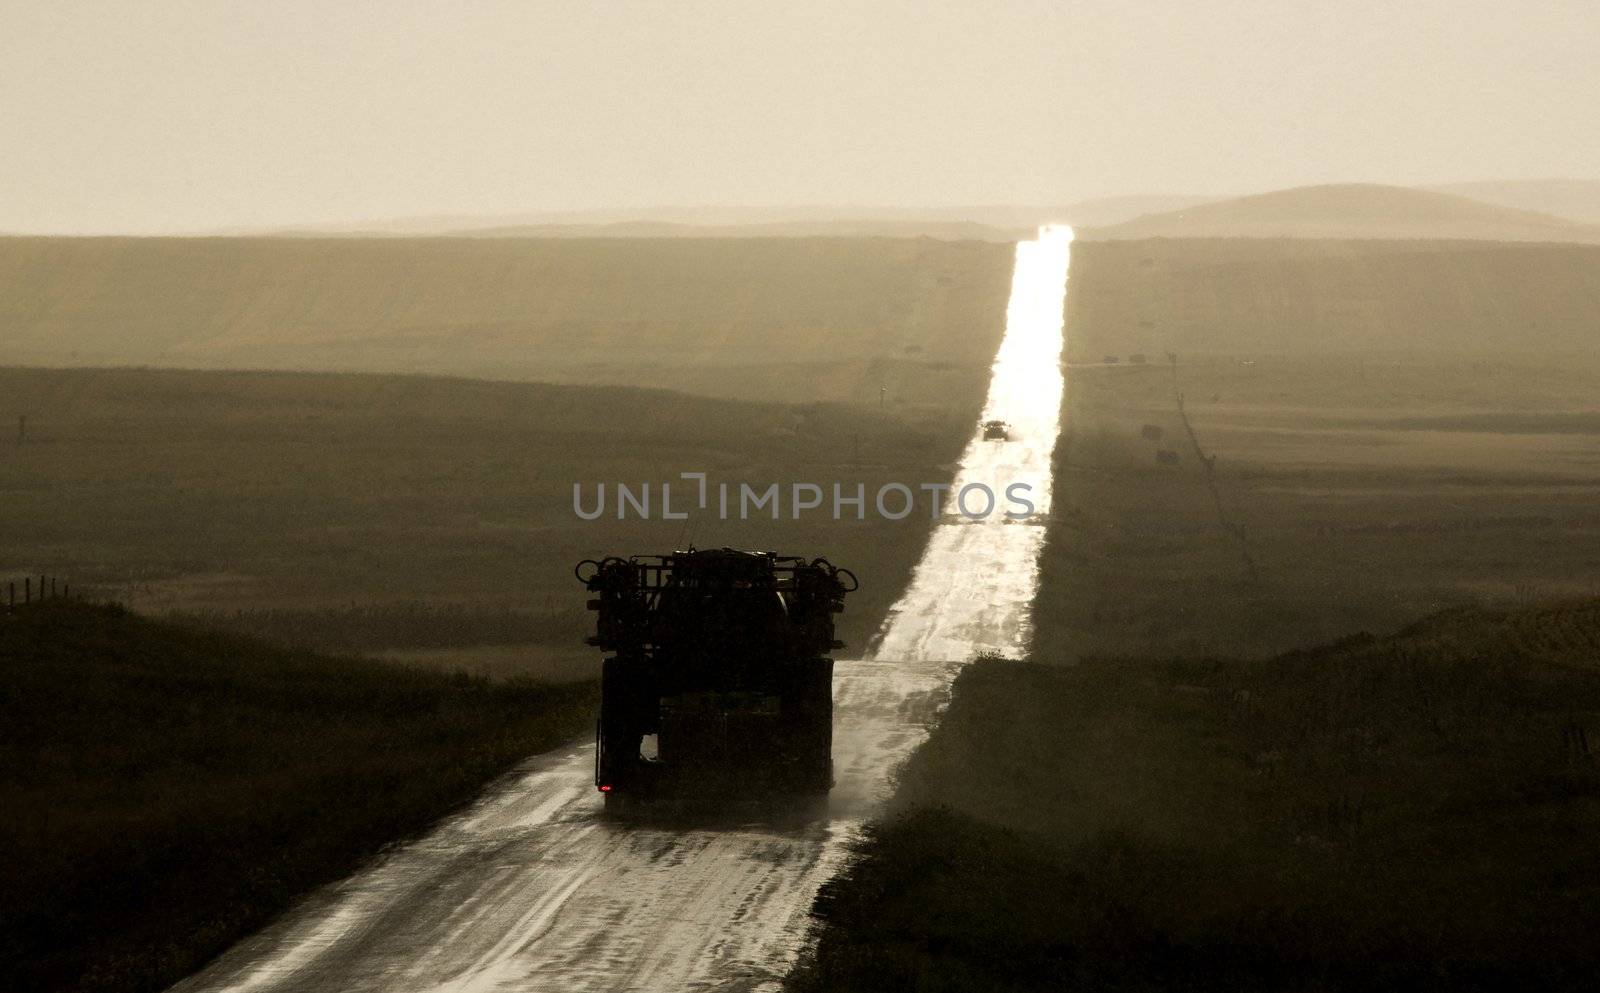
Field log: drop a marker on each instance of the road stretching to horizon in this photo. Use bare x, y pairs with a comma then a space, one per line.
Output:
533, 888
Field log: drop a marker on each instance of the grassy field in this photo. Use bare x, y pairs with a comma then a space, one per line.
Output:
1415, 485
1367, 486
165, 791
1408, 812
796, 320
1249, 297
370, 512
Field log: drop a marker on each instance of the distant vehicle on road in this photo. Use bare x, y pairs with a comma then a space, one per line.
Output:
720, 684
996, 431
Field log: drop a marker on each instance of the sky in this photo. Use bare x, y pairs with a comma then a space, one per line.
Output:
168, 116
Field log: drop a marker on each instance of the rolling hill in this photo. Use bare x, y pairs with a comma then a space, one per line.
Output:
1301, 296
844, 227
1352, 211
1572, 199
984, 222
905, 321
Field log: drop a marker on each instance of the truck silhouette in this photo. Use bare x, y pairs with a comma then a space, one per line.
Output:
718, 682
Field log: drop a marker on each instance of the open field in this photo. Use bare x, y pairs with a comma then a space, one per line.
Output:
165, 791
1367, 485
1364, 493
334, 509
1299, 297
797, 320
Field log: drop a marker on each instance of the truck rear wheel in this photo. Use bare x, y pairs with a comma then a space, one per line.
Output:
812, 728
617, 734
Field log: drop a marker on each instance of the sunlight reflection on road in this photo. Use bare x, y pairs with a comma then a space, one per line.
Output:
531, 889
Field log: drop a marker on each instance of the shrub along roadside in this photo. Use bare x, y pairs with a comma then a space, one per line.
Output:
165, 791
1415, 811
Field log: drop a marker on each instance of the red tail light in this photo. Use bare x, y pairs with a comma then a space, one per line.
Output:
605, 787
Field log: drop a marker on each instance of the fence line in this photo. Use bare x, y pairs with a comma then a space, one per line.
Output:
37, 589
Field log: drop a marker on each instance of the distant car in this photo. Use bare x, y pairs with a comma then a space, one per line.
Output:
996, 431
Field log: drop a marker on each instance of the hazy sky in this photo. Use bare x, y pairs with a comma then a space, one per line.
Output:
152, 115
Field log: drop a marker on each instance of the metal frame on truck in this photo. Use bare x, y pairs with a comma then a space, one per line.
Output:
718, 680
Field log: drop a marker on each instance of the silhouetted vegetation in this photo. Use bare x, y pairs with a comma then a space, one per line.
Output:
1416, 811
165, 791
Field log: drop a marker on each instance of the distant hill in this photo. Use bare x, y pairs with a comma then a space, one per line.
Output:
1105, 211
1305, 296
1353, 211
708, 221
1573, 199
980, 222
977, 223
951, 230
799, 319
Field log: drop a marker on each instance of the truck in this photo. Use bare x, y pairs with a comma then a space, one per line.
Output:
717, 681
996, 431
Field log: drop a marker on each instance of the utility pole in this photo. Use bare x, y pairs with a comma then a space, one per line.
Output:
22, 427
883, 393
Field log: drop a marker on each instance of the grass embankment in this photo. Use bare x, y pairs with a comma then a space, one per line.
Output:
164, 791
1415, 812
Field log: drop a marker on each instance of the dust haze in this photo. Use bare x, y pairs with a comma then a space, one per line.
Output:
441, 445
197, 117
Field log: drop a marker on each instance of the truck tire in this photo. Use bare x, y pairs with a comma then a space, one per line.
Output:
813, 727
614, 756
